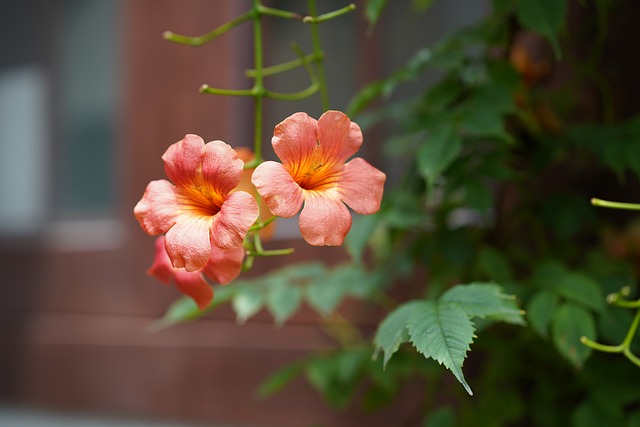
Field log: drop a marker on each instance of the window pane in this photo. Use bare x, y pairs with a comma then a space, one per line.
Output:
89, 96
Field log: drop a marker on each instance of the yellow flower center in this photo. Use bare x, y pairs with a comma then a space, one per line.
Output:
200, 200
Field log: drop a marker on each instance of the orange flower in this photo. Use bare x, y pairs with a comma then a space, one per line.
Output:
223, 266
314, 171
198, 211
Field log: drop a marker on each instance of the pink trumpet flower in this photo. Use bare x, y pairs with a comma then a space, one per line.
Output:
198, 211
223, 266
313, 171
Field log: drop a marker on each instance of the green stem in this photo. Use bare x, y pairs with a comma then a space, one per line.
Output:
262, 224
312, 19
251, 165
602, 347
626, 304
632, 330
274, 252
615, 205
285, 66
264, 10
226, 92
200, 40
624, 348
295, 96
257, 244
317, 50
259, 83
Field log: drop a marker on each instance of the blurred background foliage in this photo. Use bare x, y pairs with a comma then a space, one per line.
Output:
495, 164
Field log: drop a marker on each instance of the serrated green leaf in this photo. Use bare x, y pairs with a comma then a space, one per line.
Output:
570, 323
392, 331
437, 152
485, 300
442, 332
283, 300
540, 311
246, 302
543, 16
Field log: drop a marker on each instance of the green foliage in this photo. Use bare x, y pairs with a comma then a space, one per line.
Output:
494, 173
373, 10
443, 329
282, 292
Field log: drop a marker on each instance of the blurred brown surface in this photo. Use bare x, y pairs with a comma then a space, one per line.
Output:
74, 325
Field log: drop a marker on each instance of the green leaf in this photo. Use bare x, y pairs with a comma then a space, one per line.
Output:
484, 300
247, 302
502, 6
543, 16
436, 153
442, 417
442, 94
478, 195
359, 235
185, 309
444, 333
570, 323
541, 310
325, 294
327, 291
299, 272
336, 375
280, 379
373, 10
283, 300
493, 264
421, 5
392, 331
581, 288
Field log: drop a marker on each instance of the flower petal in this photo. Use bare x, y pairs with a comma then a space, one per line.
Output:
339, 137
183, 161
224, 265
221, 167
277, 188
295, 139
361, 186
325, 220
187, 242
237, 214
157, 210
161, 268
193, 285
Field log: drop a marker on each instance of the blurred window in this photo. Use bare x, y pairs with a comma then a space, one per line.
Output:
59, 96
